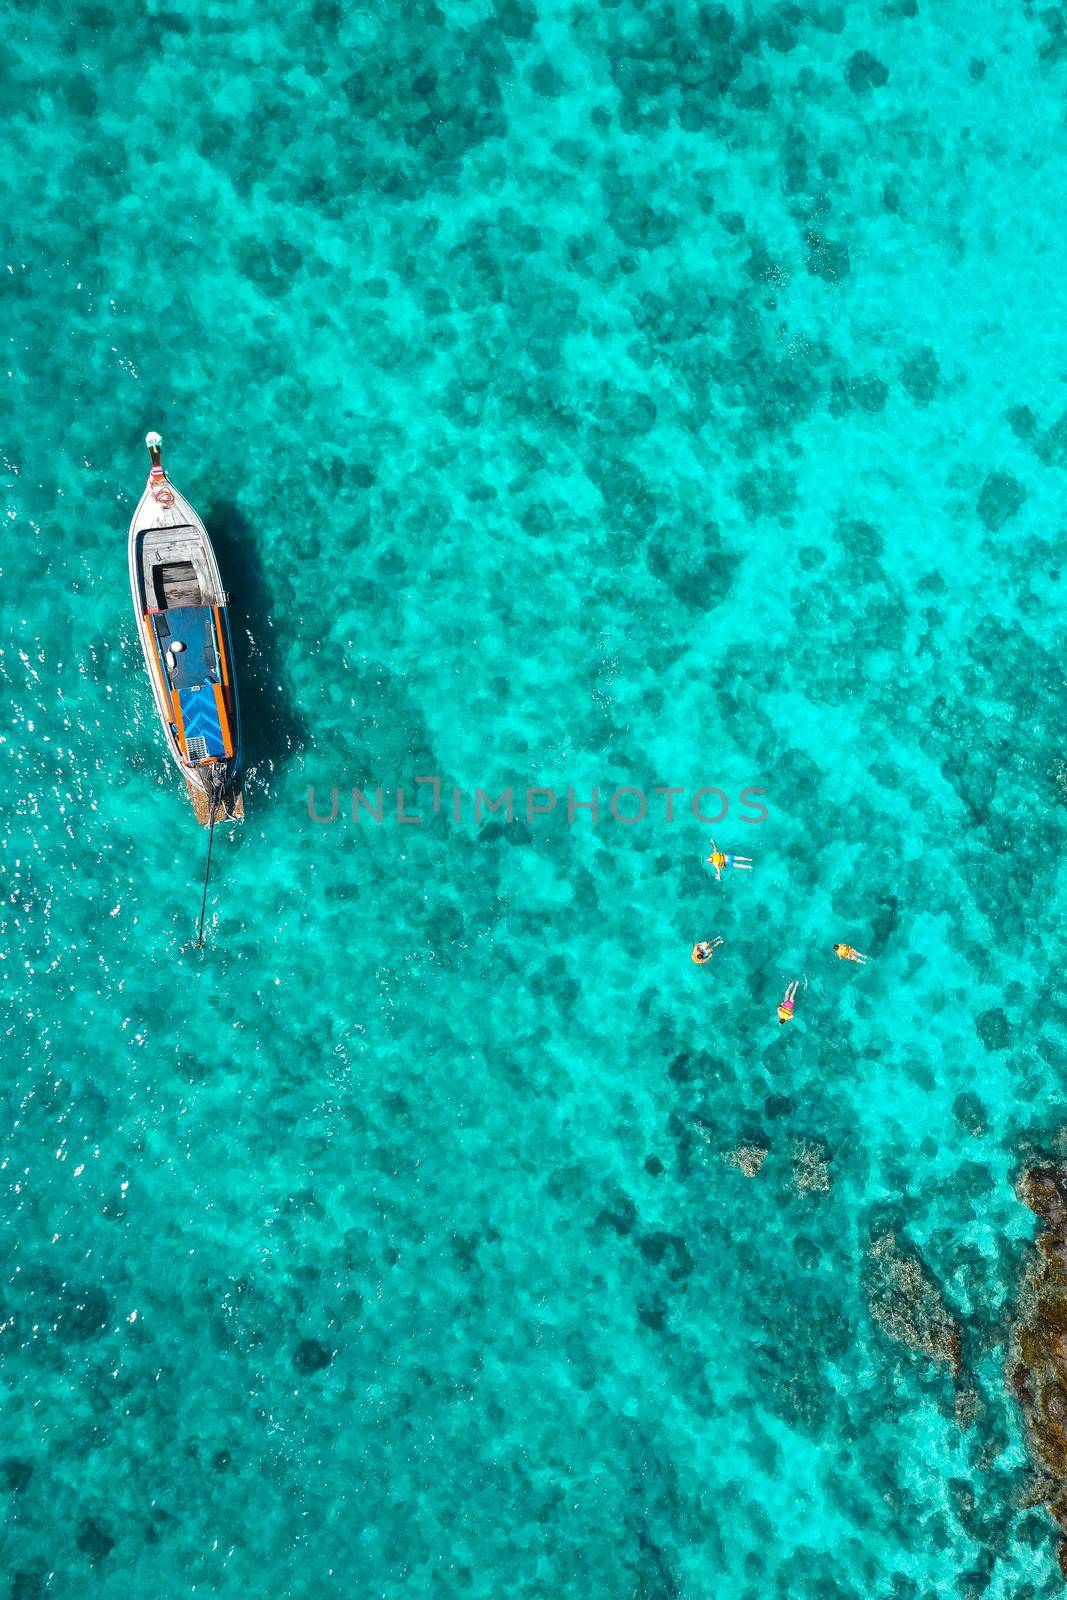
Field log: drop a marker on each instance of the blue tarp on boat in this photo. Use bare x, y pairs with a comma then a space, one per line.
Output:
201, 718
192, 671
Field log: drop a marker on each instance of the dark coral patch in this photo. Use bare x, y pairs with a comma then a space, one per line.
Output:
311, 1355
994, 1029
545, 81
1022, 422
1052, 444
767, 493
17, 1474
1000, 498
82, 1313
669, 1250
692, 564
870, 394
94, 1539
827, 258
970, 1113
865, 72
619, 1214
920, 375
27, 1584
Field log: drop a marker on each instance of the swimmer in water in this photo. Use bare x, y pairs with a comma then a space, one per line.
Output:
721, 862
785, 1010
704, 949
845, 952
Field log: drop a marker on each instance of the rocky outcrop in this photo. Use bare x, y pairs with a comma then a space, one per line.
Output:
906, 1302
1038, 1357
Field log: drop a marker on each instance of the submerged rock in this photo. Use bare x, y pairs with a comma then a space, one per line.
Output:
1037, 1363
906, 1302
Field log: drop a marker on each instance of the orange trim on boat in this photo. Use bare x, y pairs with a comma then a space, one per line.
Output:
224, 721
155, 646
220, 635
179, 723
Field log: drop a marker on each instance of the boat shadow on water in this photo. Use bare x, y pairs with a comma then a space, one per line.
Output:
272, 727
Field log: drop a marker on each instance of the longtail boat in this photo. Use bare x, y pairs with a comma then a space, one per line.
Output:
185, 634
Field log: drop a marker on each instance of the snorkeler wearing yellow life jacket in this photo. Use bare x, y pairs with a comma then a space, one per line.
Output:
845, 952
722, 862
704, 949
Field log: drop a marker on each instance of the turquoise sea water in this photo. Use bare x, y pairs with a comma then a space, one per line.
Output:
579, 395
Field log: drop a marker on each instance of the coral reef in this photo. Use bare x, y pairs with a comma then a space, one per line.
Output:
748, 1157
906, 1302
811, 1166
1038, 1353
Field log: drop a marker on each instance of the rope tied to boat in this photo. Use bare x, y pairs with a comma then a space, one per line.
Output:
215, 784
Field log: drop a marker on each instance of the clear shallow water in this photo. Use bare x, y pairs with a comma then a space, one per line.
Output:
619, 395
